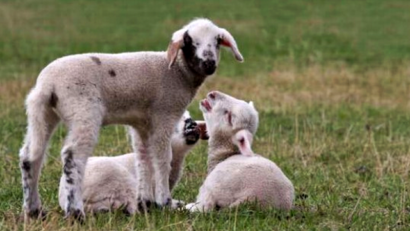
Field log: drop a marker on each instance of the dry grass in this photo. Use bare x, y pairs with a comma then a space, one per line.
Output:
288, 87
291, 87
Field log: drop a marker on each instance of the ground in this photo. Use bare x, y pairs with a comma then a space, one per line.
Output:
331, 81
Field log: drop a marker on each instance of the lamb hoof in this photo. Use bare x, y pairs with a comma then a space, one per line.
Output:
128, 211
168, 203
76, 215
191, 131
144, 205
35, 214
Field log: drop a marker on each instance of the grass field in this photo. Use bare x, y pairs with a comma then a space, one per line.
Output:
331, 80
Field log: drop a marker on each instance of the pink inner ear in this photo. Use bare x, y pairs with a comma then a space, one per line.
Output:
225, 43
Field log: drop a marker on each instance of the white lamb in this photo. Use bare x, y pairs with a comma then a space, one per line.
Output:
235, 173
146, 90
109, 182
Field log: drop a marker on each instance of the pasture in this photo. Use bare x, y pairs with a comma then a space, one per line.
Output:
331, 81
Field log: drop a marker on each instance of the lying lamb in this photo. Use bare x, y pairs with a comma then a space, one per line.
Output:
146, 90
235, 173
109, 182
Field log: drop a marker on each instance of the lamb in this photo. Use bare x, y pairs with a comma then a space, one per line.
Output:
148, 91
235, 173
109, 182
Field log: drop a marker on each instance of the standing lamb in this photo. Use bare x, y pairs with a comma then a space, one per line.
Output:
146, 90
110, 182
235, 173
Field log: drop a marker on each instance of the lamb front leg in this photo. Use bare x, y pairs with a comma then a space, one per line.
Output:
143, 169
161, 160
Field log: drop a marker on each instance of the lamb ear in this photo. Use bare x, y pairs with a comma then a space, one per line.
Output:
172, 52
228, 41
252, 105
243, 139
174, 46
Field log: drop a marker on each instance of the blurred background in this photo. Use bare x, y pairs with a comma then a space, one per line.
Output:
331, 80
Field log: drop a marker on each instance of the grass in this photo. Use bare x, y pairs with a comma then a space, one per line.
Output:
330, 80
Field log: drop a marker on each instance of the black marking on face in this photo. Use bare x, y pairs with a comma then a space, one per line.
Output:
189, 51
208, 54
209, 66
95, 60
53, 100
112, 73
202, 68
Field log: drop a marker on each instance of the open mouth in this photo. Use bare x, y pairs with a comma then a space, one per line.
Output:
206, 105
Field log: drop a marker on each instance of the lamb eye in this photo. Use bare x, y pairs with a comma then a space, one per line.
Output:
226, 112
229, 115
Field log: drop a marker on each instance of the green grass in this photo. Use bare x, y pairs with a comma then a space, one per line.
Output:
331, 80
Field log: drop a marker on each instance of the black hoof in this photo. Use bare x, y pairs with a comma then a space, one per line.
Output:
37, 214
76, 215
168, 203
128, 212
144, 205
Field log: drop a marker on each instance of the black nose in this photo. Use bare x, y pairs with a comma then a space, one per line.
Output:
209, 67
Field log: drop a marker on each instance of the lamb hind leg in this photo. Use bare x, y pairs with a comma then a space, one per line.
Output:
41, 123
78, 147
